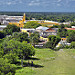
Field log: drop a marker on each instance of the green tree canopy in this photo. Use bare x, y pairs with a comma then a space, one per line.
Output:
10, 29
53, 41
2, 35
34, 37
55, 26
32, 24
71, 36
62, 32
73, 24
72, 45
14, 49
6, 68
20, 37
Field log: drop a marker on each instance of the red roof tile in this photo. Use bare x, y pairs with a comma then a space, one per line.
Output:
70, 28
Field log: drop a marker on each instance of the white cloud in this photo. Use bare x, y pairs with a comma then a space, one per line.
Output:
10, 2
59, 0
34, 3
58, 4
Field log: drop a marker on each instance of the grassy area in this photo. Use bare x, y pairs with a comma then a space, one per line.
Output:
42, 58
48, 62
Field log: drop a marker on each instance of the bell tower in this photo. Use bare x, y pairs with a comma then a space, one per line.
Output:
24, 16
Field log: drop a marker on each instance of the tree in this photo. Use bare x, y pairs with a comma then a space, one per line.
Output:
72, 45
53, 41
73, 24
6, 68
55, 26
20, 37
2, 35
32, 24
71, 36
1, 51
12, 57
34, 37
14, 49
10, 29
62, 32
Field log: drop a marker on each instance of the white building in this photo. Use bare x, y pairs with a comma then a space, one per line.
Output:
2, 27
5, 19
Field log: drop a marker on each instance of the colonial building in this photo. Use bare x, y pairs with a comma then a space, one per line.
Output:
44, 34
17, 20
50, 31
5, 19
28, 31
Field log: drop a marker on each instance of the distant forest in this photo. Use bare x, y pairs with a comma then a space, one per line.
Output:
54, 16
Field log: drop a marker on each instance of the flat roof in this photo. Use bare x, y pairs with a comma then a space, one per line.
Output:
3, 26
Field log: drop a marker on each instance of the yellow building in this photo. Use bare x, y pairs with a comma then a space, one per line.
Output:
63, 40
28, 31
43, 39
20, 23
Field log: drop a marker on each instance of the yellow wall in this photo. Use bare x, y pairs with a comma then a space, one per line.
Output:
17, 24
63, 39
44, 39
23, 30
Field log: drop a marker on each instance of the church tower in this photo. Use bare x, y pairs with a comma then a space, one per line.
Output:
24, 16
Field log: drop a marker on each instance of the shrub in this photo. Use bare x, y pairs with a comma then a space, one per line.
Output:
72, 45
53, 41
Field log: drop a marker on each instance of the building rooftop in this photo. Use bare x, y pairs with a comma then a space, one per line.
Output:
42, 28
50, 30
27, 29
3, 26
70, 28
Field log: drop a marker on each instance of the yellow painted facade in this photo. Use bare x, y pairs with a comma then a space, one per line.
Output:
59, 44
23, 30
44, 39
63, 39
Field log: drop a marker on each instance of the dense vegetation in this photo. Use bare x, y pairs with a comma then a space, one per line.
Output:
62, 32
53, 41
20, 36
2, 35
71, 36
73, 24
32, 24
13, 49
59, 17
34, 38
10, 29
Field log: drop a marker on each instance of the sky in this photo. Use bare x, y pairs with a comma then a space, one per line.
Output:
37, 5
